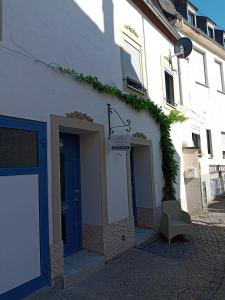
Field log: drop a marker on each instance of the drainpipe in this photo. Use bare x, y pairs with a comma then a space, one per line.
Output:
180, 82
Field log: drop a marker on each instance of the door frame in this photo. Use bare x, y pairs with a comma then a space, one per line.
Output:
41, 170
76, 126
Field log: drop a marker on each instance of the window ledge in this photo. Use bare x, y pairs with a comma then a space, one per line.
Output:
221, 92
144, 93
173, 106
202, 84
210, 157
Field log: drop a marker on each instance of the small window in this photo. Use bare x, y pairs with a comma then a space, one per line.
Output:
133, 64
219, 76
209, 142
169, 88
18, 148
223, 143
191, 18
196, 139
211, 32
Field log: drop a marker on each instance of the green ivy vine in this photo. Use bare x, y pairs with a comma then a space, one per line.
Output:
169, 164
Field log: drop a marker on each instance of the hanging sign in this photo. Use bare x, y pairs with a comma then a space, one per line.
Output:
120, 142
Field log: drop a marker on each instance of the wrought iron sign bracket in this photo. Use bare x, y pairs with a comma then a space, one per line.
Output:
124, 124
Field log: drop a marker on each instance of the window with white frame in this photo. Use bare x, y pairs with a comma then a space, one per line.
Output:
210, 30
132, 64
196, 140
209, 142
223, 143
169, 87
191, 17
199, 66
219, 76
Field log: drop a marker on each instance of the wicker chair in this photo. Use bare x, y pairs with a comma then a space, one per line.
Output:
174, 220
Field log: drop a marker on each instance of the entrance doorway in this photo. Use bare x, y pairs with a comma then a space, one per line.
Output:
71, 218
133, 186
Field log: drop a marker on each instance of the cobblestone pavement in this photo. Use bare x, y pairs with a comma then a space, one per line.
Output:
190, 268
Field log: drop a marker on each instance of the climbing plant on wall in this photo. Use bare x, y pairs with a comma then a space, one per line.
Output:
169, 164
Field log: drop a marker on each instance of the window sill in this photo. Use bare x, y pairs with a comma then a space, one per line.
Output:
173, 106
202, 84
221, 92
210, 157
144, 93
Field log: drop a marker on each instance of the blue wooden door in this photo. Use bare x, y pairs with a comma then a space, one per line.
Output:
70, 193
23, 160
133, 186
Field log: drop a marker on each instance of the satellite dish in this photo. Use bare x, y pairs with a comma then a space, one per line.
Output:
183, 47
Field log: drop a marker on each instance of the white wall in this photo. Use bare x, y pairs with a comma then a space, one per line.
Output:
19, 230
204, 106
86, 36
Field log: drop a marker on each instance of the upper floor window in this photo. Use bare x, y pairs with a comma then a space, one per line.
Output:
209, 142
200, 67
132, 63
223, 143
210, 32
169, 88
191, 17
196, 140
219, 76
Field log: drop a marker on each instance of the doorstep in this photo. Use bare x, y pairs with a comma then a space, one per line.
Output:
80, 265
143, 234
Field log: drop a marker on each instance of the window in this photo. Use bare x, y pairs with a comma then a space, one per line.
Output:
219, 76
196, 141
223, 143
169, 88
18, 148
209, 142
211, 32
132, 59
191, 18
199, 66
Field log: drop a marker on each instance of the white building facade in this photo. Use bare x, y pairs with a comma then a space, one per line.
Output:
63, 188
202, 101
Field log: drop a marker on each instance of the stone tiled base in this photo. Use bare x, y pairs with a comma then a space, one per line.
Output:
93, 238
118, 237
56, 262
145, 217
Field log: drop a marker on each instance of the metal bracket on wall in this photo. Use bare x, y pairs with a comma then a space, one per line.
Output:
126, 124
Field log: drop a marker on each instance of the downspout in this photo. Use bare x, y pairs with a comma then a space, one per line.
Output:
180, 82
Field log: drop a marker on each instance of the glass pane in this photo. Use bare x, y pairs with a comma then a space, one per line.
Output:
18, 148
169, 88
132, 60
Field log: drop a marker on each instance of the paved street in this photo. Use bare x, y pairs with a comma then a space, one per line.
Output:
190, 268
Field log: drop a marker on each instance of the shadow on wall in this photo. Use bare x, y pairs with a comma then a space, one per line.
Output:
78, 41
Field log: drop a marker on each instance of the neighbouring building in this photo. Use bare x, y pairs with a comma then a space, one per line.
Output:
202, 99
62, 187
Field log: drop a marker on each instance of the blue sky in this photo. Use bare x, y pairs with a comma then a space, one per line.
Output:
215, 10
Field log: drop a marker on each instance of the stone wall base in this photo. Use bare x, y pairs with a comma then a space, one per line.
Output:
93, 238
145, 217
118, 237
56, 263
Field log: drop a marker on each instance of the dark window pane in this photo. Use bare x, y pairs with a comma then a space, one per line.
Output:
18, 148
209, 141
169, 88
210, 32
191, 18
196, 141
